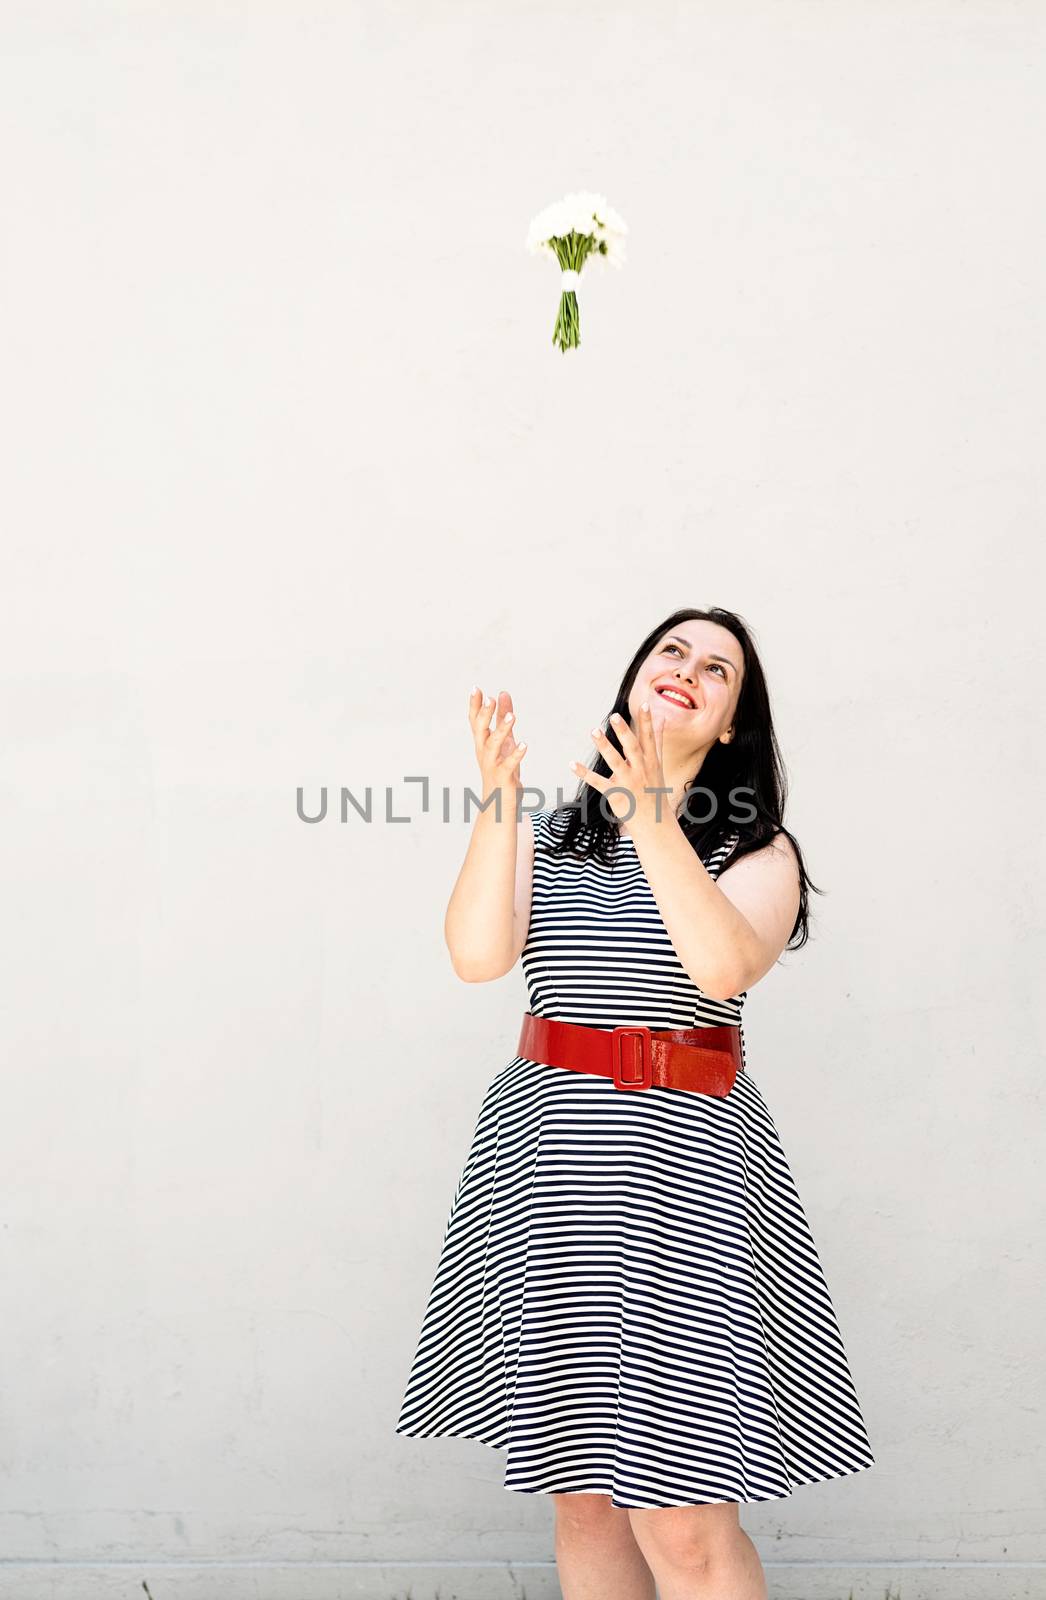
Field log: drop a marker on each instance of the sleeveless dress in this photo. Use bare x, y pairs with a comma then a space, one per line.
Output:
628, 1299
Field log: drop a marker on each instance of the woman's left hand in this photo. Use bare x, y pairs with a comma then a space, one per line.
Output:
638, 771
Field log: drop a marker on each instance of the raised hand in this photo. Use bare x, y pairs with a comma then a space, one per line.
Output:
635, 774
497, 752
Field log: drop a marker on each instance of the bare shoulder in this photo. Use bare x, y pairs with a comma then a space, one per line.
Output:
766, 877
778, 855
765, 887
776, 859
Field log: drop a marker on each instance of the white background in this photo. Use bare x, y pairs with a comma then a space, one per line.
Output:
290, 462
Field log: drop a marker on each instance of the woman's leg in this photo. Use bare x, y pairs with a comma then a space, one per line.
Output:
699, 1552
596, 1552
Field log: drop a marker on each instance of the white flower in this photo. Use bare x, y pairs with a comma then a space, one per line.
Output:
613, 253
586, 208
582, 211
549, 224
615, 249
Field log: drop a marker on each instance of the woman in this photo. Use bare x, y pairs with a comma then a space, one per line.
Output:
628, 1298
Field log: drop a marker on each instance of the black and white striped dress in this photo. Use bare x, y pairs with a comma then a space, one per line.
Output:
628, 1299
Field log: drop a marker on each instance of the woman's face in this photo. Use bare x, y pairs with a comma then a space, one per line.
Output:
701, 662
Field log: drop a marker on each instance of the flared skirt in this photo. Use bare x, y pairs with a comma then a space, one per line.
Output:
628, 1300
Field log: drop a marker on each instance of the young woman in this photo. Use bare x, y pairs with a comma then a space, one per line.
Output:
628, 1298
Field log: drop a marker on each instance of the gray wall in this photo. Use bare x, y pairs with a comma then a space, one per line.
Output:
290, 464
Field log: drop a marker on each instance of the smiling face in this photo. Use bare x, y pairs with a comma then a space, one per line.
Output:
699, 662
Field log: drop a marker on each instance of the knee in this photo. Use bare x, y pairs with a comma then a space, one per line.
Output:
686, 1553
686, 1538
587, 1513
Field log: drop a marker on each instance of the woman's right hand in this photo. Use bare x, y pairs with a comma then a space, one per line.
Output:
497, 752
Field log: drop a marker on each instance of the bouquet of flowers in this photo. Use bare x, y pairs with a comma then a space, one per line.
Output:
573, 229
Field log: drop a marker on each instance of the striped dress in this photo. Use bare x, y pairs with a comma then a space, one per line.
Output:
628, 1300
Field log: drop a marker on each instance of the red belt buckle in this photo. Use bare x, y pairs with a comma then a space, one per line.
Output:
646, 1065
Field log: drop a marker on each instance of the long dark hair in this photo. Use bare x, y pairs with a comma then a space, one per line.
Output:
745, 775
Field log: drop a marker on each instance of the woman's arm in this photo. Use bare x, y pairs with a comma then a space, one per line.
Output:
486, 922
728, 932
489, 912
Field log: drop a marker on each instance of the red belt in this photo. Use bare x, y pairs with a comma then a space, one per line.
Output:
703, 1059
